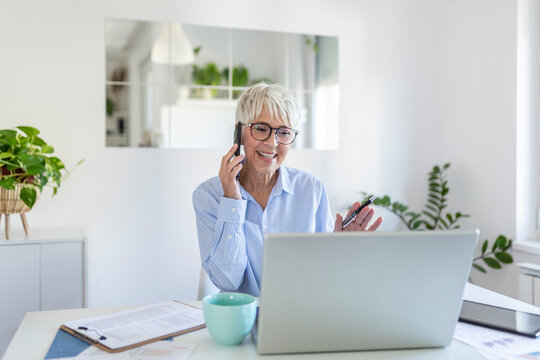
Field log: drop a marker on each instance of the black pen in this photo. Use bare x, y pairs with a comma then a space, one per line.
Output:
351, 217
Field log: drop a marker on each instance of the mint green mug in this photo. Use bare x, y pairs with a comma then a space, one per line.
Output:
229, 316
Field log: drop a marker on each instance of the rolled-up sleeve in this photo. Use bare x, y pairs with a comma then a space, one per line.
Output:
220, 229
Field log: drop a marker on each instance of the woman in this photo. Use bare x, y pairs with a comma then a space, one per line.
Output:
234, 215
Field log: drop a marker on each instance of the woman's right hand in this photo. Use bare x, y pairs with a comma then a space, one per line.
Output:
230, 167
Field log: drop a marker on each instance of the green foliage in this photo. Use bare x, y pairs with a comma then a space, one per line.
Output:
240, 75
25, 159
109, 106
311, 43
434, 217
497, 256
206, 75
240, 78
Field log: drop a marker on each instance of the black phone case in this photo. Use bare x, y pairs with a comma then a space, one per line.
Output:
237, 137
238, 140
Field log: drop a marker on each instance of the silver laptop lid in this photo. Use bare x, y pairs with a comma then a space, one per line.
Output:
361, 291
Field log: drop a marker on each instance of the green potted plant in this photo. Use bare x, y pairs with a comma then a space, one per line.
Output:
26, 167
434, 216
208, 75
240, 78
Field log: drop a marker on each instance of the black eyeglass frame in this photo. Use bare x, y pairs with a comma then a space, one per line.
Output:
274, 130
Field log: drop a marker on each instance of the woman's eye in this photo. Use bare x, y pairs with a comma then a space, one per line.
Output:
285, 132
261, 129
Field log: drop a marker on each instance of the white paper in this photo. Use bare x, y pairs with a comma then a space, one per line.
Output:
159, 350
499, 344
133, 326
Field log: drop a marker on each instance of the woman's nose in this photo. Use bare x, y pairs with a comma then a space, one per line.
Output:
272, 139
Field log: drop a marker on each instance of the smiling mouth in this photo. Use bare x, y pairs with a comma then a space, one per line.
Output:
267, 155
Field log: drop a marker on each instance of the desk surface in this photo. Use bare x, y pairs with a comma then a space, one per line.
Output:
38, 329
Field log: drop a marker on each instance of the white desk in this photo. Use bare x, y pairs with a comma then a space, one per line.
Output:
38, 329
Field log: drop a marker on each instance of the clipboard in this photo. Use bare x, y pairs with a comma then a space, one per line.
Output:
104, 347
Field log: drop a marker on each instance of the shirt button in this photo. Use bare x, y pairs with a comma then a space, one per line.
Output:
230, 236
264, 226
233, 209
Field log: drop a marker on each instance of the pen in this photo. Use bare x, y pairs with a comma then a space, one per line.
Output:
351, 217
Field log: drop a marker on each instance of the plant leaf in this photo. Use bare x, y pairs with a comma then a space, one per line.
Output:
28, 195
484, 247
8, 137
39, 141
28, 130
479, 268
428, 214
431, 201
504, 257
444, 223
8, 183
33, 164
501, 241
492, 263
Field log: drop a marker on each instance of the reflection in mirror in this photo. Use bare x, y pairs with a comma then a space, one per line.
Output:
176, 85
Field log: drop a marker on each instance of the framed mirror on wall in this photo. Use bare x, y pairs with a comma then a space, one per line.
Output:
173, 85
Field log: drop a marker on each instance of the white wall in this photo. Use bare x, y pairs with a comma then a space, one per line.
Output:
421, 82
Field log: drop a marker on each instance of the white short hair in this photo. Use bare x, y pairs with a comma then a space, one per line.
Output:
275, 98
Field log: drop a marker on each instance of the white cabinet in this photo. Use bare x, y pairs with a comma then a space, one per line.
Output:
42, 271
529, 283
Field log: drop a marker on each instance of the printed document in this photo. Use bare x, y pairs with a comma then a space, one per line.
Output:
133, 326
160, 350
498, 344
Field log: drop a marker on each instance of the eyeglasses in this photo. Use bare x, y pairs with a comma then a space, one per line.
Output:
262, 131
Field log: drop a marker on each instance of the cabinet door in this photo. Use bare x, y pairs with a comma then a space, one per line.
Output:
62, 276
536, 291
525, 288
19, 287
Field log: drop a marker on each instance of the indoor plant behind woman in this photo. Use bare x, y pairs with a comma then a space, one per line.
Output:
27, 166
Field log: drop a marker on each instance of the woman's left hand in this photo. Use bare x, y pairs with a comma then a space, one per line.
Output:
361, 222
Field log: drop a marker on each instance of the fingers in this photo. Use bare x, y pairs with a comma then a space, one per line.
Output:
376, 224
362, 221
228, 156
229, 169
235, 170
354, 206
339, 223
364, 217
229, 165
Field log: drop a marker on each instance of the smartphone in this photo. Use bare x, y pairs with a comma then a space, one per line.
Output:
238, 140
494, 317
238, 137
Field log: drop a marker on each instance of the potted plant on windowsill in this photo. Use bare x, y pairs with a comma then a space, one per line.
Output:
26, 167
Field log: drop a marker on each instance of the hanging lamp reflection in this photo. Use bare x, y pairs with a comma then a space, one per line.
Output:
172, 46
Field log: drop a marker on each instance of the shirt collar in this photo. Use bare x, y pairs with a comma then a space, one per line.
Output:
283, 183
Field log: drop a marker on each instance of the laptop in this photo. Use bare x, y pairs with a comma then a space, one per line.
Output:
361, 290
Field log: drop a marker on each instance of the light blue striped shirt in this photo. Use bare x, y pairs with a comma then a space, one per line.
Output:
231, 232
